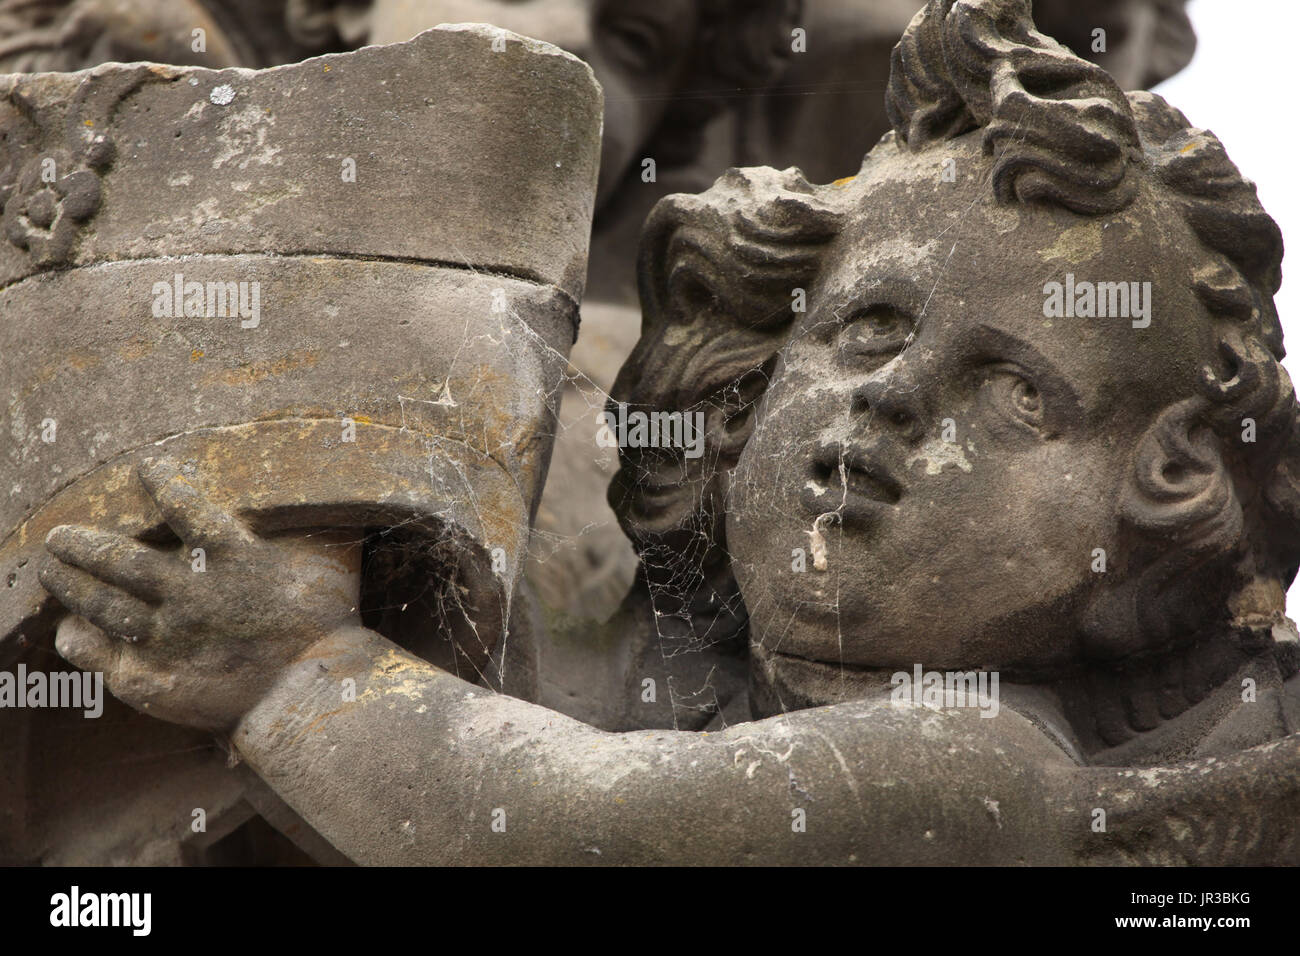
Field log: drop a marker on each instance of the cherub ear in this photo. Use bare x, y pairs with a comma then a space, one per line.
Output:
1180, 487
1180, 509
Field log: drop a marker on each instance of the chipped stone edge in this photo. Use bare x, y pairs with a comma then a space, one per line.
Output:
174, 72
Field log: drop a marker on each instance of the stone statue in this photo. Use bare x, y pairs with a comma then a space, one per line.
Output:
692, 87
1005, 407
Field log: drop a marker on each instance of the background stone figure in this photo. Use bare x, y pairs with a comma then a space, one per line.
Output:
1119, 429
825, 110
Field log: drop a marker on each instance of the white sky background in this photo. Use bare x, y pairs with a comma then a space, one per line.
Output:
1242, 85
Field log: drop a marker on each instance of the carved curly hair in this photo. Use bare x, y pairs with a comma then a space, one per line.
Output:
717, 271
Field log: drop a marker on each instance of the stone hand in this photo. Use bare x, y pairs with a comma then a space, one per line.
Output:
196, 635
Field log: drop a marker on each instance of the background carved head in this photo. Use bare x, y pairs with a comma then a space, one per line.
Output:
957, 453
666, 68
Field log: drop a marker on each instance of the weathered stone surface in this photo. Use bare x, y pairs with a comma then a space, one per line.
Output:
199, 280
1005, 411
928, 306
445, 296
173, 161
434, 434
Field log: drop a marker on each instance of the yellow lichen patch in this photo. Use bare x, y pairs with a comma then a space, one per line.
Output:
1076, 244
196, 354
257, 371
681, 335
52, 371
1258, 601
845, 181
135, 349
317, 725
397, 673
81, 360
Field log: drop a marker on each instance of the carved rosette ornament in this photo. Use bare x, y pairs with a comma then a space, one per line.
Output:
50, 180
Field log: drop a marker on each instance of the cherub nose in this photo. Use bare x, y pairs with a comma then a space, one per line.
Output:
893, 401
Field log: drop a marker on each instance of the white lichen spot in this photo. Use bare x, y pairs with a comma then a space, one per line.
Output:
98, 440
1150, 777
222, 95
243, 136
939, 455
992, 807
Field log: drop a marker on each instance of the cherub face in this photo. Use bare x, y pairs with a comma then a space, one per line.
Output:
958, 452
639, 52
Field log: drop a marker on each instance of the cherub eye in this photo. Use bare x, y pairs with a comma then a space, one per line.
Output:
1015, 395
633, 41
878, 330
880, 322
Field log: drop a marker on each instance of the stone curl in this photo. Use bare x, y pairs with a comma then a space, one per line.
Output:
1059, 128
717, 273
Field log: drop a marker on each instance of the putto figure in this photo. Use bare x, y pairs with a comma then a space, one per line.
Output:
692, 87
907, 467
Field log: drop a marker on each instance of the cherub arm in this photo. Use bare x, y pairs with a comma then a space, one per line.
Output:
408, 764
419, 767
422, 764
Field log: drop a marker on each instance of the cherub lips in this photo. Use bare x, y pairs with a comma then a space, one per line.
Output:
857, 490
